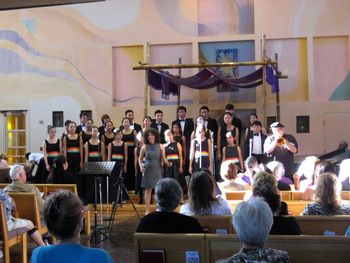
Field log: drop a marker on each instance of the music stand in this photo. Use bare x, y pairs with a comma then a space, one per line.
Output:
98, 170
119, 197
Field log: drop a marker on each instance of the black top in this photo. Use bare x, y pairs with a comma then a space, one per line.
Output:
283, 155
285, 225
73, 146
189, 128
235, 121
85, 137
118, 152
168, 222
94, 152
62, 178
202, 154
163, 128
52, 150
108, 140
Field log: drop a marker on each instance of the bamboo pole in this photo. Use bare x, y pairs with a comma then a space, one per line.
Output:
264, 86
146, 66
145, 103
179, 88
278, 106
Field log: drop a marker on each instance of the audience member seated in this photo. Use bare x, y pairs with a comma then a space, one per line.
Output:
252, 221
265, 186
3, 162
16, 223
277, 170
168, 195
304, 177
344, 174
59, 173
63, 215
327, 198
230, 182
201, 197
251, 167
19, 179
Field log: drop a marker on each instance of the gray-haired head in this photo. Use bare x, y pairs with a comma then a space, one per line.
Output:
15, 171
168, 194
252, 221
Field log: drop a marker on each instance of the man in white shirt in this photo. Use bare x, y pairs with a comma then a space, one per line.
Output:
254, 143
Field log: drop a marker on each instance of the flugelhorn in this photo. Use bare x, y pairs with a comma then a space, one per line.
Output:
281, 141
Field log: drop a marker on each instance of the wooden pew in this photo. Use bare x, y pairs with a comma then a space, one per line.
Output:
316, 225
236, 195
216, 224
300, 248
174, 246
27, 208
47, 189
9, 239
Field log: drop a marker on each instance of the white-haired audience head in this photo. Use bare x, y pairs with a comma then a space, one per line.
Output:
252, 221
307, 167
276, 168
17, 173
167, 194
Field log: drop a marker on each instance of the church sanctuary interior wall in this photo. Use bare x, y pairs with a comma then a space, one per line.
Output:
79, 57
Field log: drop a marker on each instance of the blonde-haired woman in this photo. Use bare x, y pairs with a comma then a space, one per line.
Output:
327, 198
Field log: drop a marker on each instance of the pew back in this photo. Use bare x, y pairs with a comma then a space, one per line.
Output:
300, 248
317, 225
174, 246
27, 208
216, 224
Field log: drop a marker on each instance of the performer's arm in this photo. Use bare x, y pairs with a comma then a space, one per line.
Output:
81, 146
240, 157
126, 157
191, 157
210, 152
109, 152
224, 154
142, 155
103, 151
65, 147
290, 146
45, 157
86, 150
269, 145
219, 144
179, 149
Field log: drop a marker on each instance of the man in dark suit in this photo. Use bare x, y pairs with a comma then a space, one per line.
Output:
235, 120
187, 127
209, 122
255, 143
133, 125
159, 125
83, 119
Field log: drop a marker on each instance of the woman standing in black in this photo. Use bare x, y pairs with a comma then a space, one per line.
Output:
73, 152
173, 152
108, 136
51, 149
118, 153
94, 152
129, 138
59, 173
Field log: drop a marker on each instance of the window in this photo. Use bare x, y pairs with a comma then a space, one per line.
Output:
57, 119
16, 142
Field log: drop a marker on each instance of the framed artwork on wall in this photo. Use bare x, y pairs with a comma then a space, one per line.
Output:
303, 124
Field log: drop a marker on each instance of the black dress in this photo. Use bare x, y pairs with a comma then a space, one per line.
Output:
172, 155
117, 156
73, 155
231, 154
86, 137
52, 150
129, 140
94, 155
201, 155
107, 141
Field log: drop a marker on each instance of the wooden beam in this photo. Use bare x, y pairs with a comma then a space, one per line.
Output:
17, 4
204, 65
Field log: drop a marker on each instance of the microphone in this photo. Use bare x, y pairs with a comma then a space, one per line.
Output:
250, 146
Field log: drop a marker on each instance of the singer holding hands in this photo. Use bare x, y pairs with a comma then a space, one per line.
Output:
281, 147
152, 156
